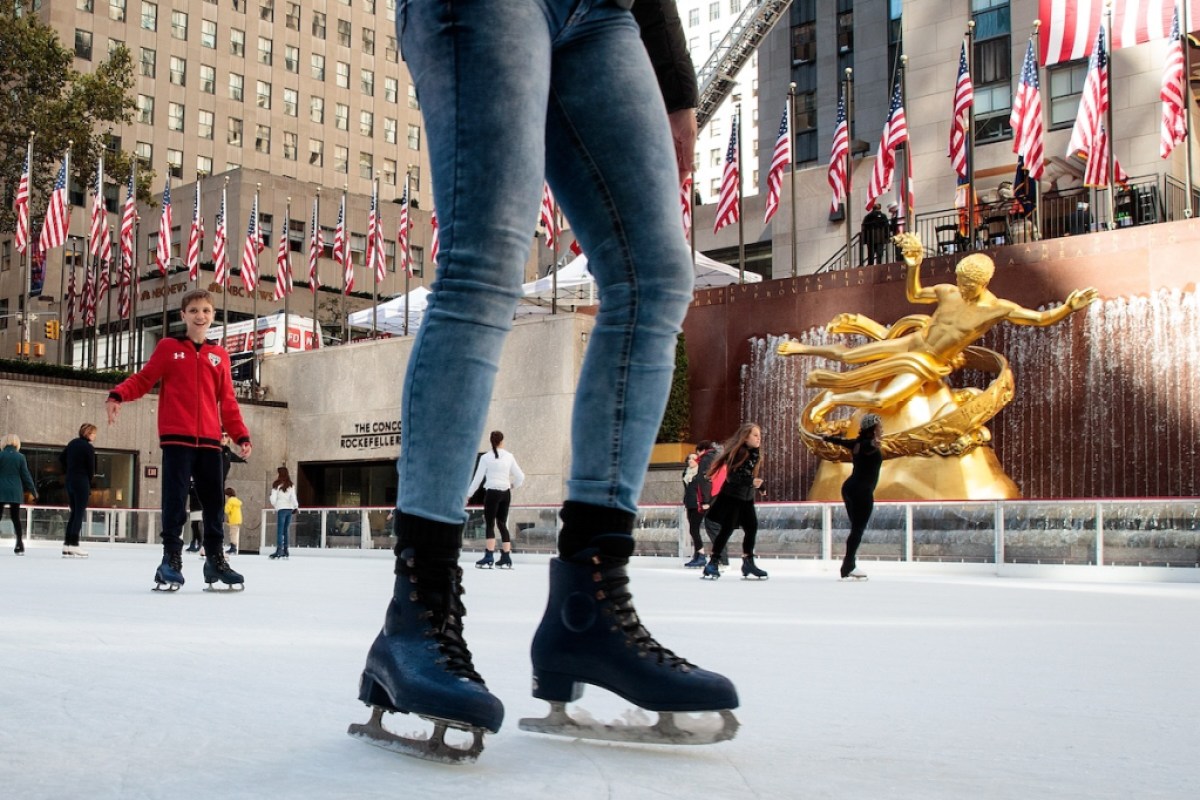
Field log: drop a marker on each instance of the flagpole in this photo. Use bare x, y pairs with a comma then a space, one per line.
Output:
132, 260
94, 312
1037, 182
254, 291
27, 261
554, 253
224, 222
110, 333
371, 260
903, 184
969, 136
1188, 211
848, 100
1108, 121
791, 167
406, 224
63, 331
741, 226
691, 200
287, 293
313, 279
343, 320
165, 267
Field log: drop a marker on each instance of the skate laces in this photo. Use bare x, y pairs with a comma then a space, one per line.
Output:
612, 585
439, 589
218, 562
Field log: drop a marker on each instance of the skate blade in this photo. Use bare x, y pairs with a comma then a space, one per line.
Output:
73, 555
666, 731
754, 577
225, 588
853, 578
430, 748
170, 587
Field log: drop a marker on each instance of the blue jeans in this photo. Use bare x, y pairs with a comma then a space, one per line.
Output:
283, 521
513, 93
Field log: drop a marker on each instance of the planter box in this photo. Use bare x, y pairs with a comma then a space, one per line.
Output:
671, 453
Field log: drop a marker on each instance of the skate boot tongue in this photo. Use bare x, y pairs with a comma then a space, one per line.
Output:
435, 584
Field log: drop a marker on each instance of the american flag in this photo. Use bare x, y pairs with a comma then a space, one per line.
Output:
729, 200
21, 206
128, 220
220, 251
105, 276
250, 250
70, 321
375, 257
895, 133
964, 98
403, 248
839, 180
780, 158
546, 217
163, 254
685, 200
1093, 102
1174, 106
195, 238
339, 247
54, 230
38, 259
283, 265
89, 297
433, 239
1069, 26
1026, 116
1095, 175
315, 246
100, 240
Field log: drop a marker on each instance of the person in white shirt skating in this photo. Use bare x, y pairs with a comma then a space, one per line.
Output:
499, 473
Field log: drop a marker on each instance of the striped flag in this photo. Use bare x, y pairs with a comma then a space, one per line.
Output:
1069, 26
71, 297
780, 158
1174, 106
1089, 137
54, 229
403, 247
1026, 116
434, 246
339, 247
895, 133
728, 201
88, 299
964, 98
220, 251
1095, 175
315, 245
283, 265
105, 277
375, 259
163, 254
839, 180
546, 217
195, 238
21, 207
100, 237
253, 246
685, 200
128, 220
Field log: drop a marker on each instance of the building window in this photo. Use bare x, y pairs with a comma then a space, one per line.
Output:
145, 109
388, 173
113, 44
318, 66
208, 34
368, 6
318, 25
83, 44
266, 12
204, 165
389, 130
290, 146
146, 63
992, 70
316, 109
116, 10
316, 152
391, 90
236, 86
344, 32
414, 137
693, 17
366, 123
175, 163
292, 18
204, 124
144, 152
1066, 86
179, 25
845, 32
233, 132
149, 16
341, 159
391, 50
291, 58
341, 116
714, 11
178, 71
175, 115
358, 249
413, 102
265, 51
237, 42
735, 6
368, 41
417, 255
366, 80
262, 139
263, 95
291, 100
208, 79
804, 42
343, 75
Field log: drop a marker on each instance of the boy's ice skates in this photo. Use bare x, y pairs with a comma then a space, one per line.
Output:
169, 575
216, 568
591, 633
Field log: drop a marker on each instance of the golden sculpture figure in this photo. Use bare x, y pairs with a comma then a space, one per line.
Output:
902, 379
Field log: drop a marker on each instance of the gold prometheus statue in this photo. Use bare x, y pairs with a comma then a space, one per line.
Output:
903, 370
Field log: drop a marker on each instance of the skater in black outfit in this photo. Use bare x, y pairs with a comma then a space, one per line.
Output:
697, 496
78, 461
734, 506
858, 492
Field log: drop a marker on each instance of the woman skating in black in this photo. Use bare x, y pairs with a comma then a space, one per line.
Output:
858, 492
734, 506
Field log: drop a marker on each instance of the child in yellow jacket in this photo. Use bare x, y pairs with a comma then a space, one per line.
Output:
233, 516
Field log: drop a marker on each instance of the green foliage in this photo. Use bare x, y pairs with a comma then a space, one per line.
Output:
109, 377
677, 420
44, 95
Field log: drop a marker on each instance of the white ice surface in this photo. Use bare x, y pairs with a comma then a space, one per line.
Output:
948, 685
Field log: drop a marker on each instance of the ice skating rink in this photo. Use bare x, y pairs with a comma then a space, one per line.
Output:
933, 684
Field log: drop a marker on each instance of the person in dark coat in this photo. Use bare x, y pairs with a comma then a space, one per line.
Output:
697, 496
15, 480
876, 230
741, 459
78, 461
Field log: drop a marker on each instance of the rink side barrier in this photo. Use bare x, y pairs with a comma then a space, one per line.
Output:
1007, 535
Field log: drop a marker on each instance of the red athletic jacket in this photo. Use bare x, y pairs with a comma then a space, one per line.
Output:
196, 400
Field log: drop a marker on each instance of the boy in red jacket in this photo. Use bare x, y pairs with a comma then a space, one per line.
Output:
195, 402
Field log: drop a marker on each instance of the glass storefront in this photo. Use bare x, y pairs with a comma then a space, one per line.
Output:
113, 487
347, 484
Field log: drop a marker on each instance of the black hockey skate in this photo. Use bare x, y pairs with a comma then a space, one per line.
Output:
216, 568
169, 575
420, 664
505, 561
751, 571
591, 633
